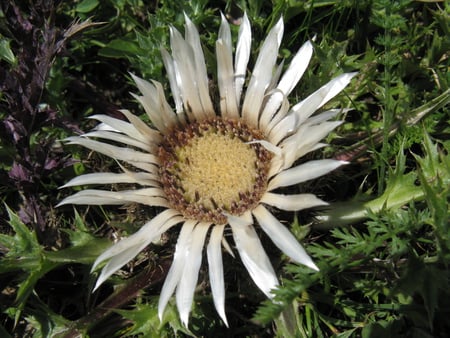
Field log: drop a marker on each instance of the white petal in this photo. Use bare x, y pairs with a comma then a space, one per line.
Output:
227, 247
126, 249
242, 56
253, 256
149, 101
178, 264
119, 153
308, 106
111, 178
304, 172
269, 146
146, 196
276, 165
305, 139
184, 62
283, 128
116, 262
287, 83
325, 116
296, 68
193, 38
292, 202
262, 75
186, 285
215, 264
169, 117
175, 82
148, 134
228, 102
121, 138
275, 78
120, 126
282, 237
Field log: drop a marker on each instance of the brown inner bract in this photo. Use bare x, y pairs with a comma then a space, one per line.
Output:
208, 169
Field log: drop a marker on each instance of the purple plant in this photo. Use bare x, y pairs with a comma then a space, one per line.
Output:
31, 157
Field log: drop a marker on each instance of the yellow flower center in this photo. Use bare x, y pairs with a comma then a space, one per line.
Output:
214, 168
208, 169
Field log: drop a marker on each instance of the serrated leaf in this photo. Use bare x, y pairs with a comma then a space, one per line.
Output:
24, 239
146, 321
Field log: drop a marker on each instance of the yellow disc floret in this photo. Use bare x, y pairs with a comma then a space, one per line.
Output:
208, 169
214, 168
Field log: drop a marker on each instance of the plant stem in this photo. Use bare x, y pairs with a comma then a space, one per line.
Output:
120, 297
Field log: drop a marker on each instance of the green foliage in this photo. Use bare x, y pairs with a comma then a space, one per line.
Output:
146, 322
24, 254
383, 247
387, 277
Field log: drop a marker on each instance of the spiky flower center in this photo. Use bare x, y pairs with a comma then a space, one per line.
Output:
209, 168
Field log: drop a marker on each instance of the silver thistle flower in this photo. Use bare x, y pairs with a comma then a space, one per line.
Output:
214, 169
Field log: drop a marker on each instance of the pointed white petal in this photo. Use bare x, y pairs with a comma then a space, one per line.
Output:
178, 264
111, 178
119, 153
146, 196
276, 165
283, 128
287, 83
116, 262
174, 80
225, 76
303, 172
282, 237
120, 126
269, 146
242, 56
296, 68
325, 116
227, 247
262, 75
120, 138
275, 78
225, 72
184, 62
126, 249
292, 202
201, 76
305, 139
150, 102
148, 134
215, 264
253, 256
169, 117
186, 285
308, 106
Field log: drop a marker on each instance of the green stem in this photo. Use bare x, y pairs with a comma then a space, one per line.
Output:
347, 213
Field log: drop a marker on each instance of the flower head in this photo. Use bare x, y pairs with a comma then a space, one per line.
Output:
214, 165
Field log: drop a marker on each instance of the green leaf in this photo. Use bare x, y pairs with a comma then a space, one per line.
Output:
146, 321
400, 190
120, 48
86, 6
84, 254
6, 53
23, 248
434, 175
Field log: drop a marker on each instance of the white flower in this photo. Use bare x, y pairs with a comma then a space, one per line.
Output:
214, 165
